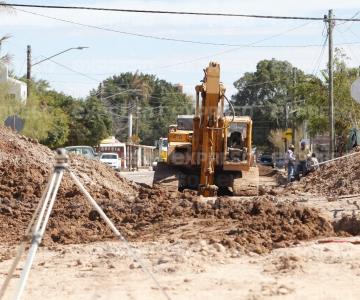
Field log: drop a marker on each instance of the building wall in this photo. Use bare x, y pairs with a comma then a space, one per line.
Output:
17, 89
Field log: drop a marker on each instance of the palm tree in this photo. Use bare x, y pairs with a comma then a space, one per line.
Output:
145, 91
4, 59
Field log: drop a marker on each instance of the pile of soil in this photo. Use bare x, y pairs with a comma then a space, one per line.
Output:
258, 225
140, 212
341, 177
25, 167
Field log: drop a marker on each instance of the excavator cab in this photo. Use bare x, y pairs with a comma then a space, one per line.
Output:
238, 152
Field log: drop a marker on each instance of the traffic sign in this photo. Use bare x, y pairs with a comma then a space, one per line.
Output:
14, 122
287, 134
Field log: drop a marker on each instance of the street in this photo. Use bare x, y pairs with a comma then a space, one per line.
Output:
141, 176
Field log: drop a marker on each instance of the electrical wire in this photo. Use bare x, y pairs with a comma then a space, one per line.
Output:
74, 71
353, 33
318, 61
234, 49
163, 38
357, 13
342, 36
176, 12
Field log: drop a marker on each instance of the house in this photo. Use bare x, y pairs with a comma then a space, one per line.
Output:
17, 89
111, 144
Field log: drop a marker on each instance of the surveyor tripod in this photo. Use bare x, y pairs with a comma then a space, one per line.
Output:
36, 228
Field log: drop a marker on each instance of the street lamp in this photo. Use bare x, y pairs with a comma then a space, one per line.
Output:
50, 57
29, 64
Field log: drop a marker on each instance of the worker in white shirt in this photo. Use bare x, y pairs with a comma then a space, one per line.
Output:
290, 162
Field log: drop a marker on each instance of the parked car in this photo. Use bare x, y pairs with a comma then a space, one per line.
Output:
111, 159
267, 160
83, 150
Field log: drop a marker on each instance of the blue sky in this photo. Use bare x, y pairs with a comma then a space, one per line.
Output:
113, 53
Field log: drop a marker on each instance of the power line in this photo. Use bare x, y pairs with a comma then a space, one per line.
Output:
141, 35
161, 37
128, 33
74, 71
353, 33
356, 14
342, 36
234, 49
170, 12
318, 61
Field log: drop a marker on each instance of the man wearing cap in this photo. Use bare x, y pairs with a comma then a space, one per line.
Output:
290, 161
304, 155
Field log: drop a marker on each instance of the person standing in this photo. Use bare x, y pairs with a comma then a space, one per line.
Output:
290, 161
304, 155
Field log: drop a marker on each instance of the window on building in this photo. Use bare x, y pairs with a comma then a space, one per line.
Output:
10, 96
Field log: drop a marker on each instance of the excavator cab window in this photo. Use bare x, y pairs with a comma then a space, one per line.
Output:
185, 122
236, 142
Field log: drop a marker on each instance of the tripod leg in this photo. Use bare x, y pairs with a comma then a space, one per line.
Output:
21, 248
38, 232
115, 230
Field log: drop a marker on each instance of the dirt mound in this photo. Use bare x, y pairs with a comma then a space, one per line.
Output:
140, 212
341, 177
258, 225
347, 224
25, 166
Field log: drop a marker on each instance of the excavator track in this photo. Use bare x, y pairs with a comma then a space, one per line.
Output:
171, 177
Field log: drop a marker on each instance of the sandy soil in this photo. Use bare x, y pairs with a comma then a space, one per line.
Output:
193, 270
264, 247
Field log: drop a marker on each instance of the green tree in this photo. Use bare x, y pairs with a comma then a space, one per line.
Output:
53, 106
265, 95
347, 110
154, 103
4, 58
89, 122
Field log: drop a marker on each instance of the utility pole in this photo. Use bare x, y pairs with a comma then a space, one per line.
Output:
137, 132
293, 127
28, 71
130, 146
137, 117
30, 65
130, 122
331, 83
286, 111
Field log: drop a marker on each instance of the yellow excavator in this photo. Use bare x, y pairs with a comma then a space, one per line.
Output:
208, 151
